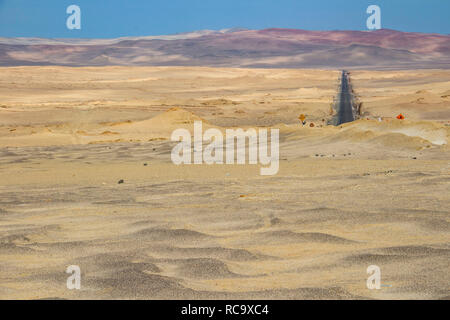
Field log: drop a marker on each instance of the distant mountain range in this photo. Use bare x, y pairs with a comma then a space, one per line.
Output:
269, 48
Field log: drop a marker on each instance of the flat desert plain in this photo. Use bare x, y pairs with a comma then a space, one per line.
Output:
372, 192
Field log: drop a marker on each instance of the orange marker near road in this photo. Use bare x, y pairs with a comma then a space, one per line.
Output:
302, 118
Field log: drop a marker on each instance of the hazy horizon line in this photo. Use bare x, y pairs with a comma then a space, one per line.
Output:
224, 31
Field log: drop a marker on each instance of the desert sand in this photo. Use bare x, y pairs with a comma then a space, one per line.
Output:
371, 192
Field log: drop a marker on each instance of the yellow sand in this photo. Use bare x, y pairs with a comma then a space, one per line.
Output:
366, 193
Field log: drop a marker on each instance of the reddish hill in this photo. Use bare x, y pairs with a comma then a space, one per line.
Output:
288, 48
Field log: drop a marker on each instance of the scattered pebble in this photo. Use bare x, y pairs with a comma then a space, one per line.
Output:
274, 221
145, 164
120, 181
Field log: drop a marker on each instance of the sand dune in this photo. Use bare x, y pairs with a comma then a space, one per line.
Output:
374, 191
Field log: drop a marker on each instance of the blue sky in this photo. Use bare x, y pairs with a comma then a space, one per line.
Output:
116, 18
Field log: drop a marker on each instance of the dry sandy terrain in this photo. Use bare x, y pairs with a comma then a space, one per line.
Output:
423, 94
366, 193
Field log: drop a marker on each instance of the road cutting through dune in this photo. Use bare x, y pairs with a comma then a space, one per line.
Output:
345, 101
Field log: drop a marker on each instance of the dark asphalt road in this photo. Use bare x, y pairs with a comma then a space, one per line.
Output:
345, 113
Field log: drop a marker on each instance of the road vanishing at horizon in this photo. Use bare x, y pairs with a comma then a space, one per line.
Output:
345, 110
